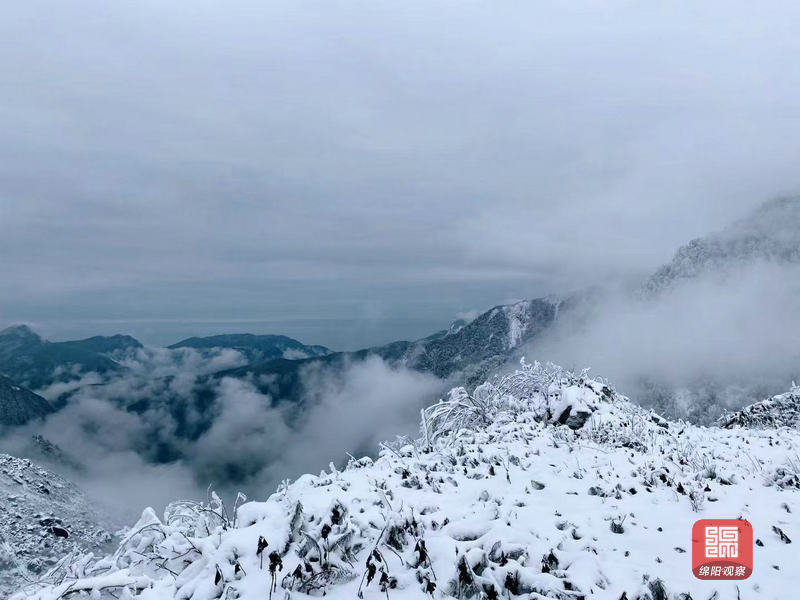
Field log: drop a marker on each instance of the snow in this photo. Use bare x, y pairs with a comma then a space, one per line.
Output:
497, 498
517, 315
42, 518
780, 410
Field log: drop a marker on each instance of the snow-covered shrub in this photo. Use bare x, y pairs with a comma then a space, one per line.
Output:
196, 518
543, 390
461, 410
533, 380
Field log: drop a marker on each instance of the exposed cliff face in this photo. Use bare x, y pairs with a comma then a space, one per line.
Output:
19, 405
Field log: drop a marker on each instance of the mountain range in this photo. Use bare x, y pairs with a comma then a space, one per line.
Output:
472, 351
39, 508
34, 362
255, 348
466, 352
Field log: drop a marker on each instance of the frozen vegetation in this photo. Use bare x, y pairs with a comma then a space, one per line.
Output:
780, 410
539, 484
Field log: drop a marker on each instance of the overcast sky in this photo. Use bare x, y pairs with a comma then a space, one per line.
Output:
354, 172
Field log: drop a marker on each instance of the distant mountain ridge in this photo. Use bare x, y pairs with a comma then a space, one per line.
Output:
104, 344
470, 351
30, 360
473, 348
255, 348
769, 233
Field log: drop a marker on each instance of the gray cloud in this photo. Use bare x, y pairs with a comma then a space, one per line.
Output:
296, 166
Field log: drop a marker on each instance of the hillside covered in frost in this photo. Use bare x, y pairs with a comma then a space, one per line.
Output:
780, 410
43, 519
540, 484
769, 233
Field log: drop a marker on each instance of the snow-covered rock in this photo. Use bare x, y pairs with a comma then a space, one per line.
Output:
778, 411
43, 519
498, 498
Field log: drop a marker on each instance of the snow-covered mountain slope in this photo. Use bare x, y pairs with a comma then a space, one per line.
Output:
542, 484
472, 350
778, 411
43, 518
485, 343
770, 233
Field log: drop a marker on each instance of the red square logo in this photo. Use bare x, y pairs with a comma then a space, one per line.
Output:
722, 549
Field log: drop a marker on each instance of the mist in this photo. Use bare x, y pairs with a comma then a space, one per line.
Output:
126, 458
708, 344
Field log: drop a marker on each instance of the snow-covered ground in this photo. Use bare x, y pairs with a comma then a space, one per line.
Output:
778, 411
543, 484
43, 517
